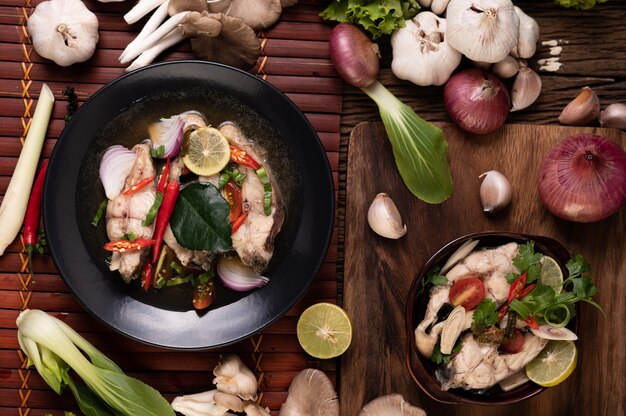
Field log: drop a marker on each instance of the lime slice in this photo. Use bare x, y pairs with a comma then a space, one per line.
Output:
205, 151
324, 330
551, 274
554, 364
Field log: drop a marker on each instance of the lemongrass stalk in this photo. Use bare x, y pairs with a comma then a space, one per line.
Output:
147, 56
139, 10
154, 37
151, 25
13, 208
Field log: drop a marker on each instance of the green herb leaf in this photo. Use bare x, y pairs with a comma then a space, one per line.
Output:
578, 266
378, 17
88, 402
579, 4
485, 315
200, 219
511, 277
420, 151
527, 261
433, 278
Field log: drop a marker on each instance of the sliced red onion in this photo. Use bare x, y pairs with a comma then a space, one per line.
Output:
237, 276
115, 166
169, 133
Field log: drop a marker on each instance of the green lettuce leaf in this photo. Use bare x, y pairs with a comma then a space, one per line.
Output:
376, 17
579, 4
200, 219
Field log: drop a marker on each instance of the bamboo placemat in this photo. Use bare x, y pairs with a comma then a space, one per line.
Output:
295, 59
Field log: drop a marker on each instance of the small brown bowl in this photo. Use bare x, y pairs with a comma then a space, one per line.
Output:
422, 369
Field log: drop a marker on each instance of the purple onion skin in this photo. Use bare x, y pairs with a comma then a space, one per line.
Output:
354, 55
476, 100
583, 178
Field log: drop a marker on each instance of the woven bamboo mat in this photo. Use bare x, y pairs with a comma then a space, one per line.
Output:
295, 59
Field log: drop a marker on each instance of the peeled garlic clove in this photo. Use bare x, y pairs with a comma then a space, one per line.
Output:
506, 68
526, 89
614, 116
384, 218
495, 191
581, 110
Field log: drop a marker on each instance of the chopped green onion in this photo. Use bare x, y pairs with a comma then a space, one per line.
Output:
160, 281
177, 268
179, 280
203, 278
557, 316
101, 209
267, 186
130, 236
158, 152
154, 209
235, 174
223, 179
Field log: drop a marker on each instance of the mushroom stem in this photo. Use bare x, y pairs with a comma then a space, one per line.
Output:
147, 56
154, 37
151, 25
139, 10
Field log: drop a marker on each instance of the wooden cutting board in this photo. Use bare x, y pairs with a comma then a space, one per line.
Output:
378, 272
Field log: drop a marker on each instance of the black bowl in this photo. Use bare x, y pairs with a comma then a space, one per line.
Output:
118, 114
422, 370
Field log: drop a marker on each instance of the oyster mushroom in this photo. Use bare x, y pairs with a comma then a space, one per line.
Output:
254, 409
258, 14
311, 394
221, 38
228, 401
199, 404
391, 405
233, 377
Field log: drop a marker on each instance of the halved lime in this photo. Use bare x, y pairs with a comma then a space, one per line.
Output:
553, 364
205, 151
551, 274
324, 330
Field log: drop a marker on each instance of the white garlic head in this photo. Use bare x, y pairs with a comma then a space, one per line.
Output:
233, 377
482, 30
384, 218
64, 31
421, 53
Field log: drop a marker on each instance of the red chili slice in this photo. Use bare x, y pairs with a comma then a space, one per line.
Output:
242, 157
140, 185
238, 222
128, 245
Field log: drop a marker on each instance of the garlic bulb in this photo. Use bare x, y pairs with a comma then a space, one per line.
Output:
421, 53
482, 30
384, 218
64, 31
495, 191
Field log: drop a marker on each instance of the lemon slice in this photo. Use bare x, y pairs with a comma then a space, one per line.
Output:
551, 274
324, 330
554, 364
205, 151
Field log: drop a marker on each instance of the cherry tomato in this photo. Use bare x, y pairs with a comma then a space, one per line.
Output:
203, 295
514, 345
232, 194
468, 292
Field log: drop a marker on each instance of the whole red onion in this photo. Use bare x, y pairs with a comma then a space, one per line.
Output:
476, 100
583, 178
354, 55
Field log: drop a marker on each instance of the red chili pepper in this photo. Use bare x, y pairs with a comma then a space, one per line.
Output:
164, 176
140, 185
163, 217
147, 275
502, 312
33, 209
239, 221
516, 288
242, 157
526, 290
531, 322
128, 245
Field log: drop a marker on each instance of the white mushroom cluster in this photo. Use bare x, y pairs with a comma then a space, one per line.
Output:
236, 390
222, 31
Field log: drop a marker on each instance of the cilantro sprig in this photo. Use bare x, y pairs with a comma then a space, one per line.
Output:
485, 315
433, 278
526, 261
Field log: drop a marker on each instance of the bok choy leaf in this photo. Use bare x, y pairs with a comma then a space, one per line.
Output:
55, 348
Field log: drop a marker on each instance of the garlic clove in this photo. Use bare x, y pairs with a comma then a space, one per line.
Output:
528, 35
506, 68
384, 218
581, 110
526, 89
439, 6
482, 30
614, 116
495, 191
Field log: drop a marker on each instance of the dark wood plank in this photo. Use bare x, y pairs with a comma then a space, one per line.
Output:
378, 271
